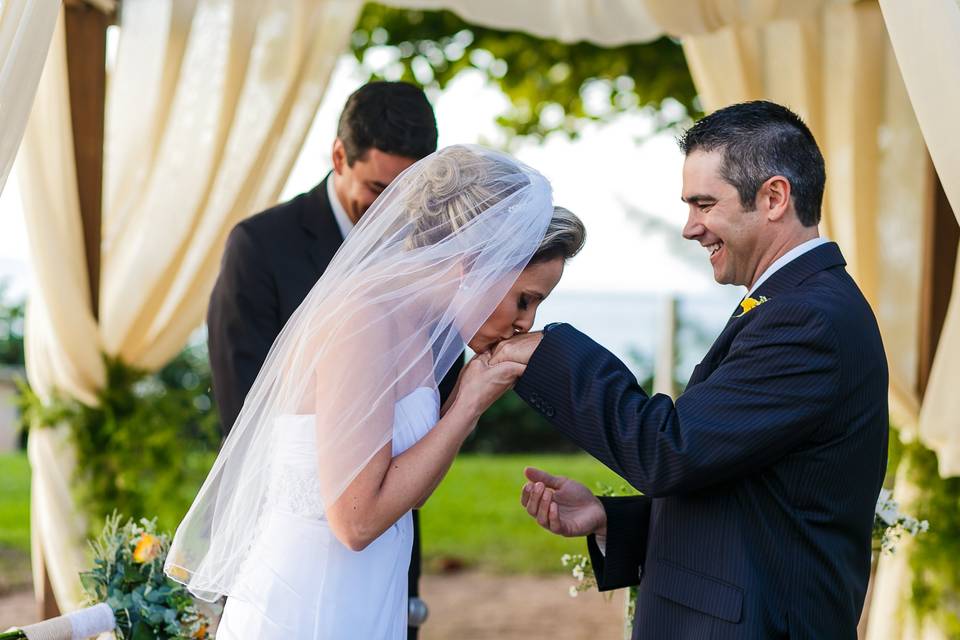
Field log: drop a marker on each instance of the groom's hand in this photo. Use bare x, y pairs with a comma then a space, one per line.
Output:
562, 506
517, 349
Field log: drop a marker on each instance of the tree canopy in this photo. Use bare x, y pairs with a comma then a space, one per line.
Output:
551, 85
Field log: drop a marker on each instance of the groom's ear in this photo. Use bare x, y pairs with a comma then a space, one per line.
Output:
773, 198
339, 156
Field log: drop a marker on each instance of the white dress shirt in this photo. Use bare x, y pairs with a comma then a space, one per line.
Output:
785, 259
343, 220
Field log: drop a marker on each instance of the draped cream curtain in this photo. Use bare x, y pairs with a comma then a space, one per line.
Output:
207, 109
926, 40
605, 22
26, 27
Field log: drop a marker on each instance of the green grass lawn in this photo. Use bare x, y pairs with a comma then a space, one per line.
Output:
14, 521
15, 501
475, 515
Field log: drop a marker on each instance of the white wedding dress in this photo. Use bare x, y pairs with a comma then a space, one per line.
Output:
299, 582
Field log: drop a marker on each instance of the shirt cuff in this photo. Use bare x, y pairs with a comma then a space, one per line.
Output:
601, 542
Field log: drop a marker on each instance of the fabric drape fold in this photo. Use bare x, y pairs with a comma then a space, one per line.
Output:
604, 22
926, 40
207, 109
26, 27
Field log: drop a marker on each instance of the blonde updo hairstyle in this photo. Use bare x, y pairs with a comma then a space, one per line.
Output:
457, 184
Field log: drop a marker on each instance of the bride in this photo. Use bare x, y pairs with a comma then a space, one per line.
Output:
304, 521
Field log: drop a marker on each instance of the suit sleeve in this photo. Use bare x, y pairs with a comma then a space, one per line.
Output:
628, 521
771, 392
242, 322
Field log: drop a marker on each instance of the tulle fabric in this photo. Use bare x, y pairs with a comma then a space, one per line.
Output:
424, 268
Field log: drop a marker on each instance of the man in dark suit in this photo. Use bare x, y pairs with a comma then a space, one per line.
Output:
759, 482
274, 258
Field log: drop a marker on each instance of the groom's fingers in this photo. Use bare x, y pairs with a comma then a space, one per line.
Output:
543, 512
553, 518
537, 475
533, 506
525, 494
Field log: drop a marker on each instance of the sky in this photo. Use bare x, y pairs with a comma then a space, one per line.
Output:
622, 181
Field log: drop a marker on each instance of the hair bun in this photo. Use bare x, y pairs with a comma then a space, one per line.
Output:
446, 175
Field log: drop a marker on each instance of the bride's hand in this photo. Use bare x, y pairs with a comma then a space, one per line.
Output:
482, 382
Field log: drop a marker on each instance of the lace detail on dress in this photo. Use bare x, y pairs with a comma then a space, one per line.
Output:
295, 490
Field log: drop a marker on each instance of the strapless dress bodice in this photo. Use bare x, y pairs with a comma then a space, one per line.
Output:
294, 484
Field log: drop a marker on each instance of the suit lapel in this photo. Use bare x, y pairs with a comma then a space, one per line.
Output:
318, 221
788, 277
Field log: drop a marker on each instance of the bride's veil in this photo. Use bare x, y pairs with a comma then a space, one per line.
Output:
425, 267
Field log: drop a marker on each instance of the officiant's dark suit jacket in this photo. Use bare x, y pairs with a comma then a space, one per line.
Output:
759, 482
270, 263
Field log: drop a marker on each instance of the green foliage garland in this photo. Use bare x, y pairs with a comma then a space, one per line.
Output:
934, 555
147, 445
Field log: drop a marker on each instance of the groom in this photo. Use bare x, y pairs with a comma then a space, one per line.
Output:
760, 480
273, 259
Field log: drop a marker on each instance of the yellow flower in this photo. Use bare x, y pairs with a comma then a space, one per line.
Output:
749, 304
201, 632
148, 547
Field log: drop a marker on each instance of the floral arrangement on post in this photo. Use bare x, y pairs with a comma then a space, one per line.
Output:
128, 575
889, 524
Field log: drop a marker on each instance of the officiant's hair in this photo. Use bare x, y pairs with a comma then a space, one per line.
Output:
759, 140
394, 117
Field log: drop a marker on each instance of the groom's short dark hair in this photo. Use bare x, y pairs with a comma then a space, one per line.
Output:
394, 117
759, 140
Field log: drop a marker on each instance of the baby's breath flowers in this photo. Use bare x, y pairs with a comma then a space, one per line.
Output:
889, 524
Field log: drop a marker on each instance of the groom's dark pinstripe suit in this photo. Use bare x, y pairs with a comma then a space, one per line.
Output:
760, 480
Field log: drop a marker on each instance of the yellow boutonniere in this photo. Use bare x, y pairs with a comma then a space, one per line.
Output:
749, 304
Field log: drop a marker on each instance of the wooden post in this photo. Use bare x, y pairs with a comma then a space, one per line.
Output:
941, 238
86, 41
663, 373
86, 30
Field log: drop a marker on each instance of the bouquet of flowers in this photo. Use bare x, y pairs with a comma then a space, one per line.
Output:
127, 592
128, 575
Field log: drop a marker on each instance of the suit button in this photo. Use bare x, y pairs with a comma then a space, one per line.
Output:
548, 412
